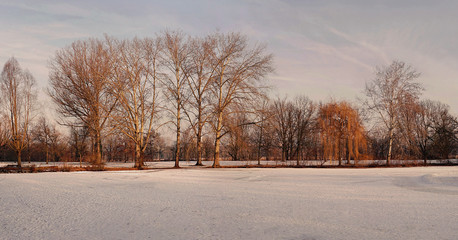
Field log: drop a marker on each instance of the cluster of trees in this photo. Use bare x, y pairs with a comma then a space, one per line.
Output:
132, 87
412, 127
117, 95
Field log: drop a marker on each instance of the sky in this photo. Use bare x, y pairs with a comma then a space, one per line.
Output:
322, 49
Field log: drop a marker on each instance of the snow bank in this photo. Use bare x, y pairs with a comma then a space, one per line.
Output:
390, 203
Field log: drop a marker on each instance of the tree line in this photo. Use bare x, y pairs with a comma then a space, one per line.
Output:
117, 96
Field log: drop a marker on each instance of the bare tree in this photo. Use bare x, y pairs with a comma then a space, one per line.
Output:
445, 137
135, 87
239, 70
18, 94
199, 76
238, 144
283, 112
303, 114
47, 137
263, 136
78, 142
176, 54
407, 125
391, 87
417, 127
79, 80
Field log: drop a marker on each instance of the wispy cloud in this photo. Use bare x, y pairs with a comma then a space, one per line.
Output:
321, 48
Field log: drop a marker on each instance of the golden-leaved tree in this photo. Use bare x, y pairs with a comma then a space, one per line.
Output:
341, 132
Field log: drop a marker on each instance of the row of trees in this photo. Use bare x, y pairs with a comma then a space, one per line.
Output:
129, 86
117, 95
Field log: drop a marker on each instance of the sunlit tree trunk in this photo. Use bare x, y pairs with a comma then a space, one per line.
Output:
218, 135
390, 146
178, 123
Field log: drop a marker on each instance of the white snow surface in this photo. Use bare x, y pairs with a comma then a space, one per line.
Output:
202, 203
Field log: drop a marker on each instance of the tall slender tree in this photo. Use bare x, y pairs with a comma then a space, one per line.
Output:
200, 76
175, 56
18, 95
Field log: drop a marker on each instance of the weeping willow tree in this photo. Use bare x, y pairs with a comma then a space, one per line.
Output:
341, 132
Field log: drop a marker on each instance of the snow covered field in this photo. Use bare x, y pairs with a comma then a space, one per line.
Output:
387, 203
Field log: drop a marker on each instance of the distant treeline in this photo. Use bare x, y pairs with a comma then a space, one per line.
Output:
117, 96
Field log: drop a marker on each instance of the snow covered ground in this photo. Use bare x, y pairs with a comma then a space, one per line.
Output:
387, 203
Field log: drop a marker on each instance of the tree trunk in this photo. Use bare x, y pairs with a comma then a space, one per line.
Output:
199, 133
141, 159
19, 163
259, 151
283, 151
216, 158
177, 153
199, 147
260, 141
339, 151
199, 153
98, 149
217, 140
388, 159
47, 154
298, 154
138, 157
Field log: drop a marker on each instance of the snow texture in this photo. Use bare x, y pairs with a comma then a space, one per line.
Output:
387, 203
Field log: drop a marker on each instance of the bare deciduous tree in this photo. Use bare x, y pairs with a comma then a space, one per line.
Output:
79, 81
46, 136
78, 142
391, 87
237, 144
416, 124
239, 70
18, 94
135, 87
303, 114
199, 76
263, 137
424, 113
283, 112
176, 54
445, 137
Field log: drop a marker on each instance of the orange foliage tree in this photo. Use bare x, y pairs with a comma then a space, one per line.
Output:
341, 132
